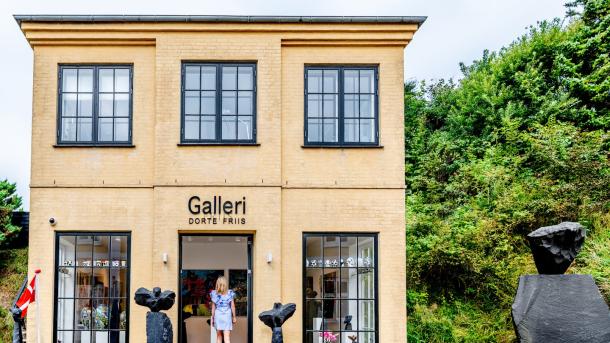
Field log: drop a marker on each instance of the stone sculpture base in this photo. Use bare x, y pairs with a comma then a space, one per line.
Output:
560, 309
158, 328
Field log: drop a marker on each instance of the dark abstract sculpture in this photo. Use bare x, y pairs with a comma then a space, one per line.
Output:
555, 247
18, 325
158, 326
559, 308
276, 317
348, 322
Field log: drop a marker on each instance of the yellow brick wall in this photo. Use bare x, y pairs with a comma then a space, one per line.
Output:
290, 189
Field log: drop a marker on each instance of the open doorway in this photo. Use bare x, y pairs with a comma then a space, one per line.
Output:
203, 258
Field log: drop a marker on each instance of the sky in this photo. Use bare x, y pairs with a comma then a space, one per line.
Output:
456, 31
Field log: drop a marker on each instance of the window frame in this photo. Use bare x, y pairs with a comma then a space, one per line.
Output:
56, 266
95, 142
322, 235
341, 112
218, 105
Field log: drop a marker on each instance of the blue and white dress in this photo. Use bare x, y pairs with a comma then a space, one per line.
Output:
223, 319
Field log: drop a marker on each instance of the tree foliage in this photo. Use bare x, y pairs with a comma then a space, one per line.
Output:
9, 202
521, 141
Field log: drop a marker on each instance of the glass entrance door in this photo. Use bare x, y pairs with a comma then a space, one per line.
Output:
203, 259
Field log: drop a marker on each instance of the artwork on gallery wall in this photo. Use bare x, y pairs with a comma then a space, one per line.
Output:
238, 282
195, 291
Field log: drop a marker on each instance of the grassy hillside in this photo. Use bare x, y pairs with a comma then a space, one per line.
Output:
13, 269
520, 142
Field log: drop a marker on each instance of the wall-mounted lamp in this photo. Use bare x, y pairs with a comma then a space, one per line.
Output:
269, 257
165, 258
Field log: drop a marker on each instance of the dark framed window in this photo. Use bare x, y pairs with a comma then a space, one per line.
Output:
340, 287
218, 103
341, 106
95, 105
92, 287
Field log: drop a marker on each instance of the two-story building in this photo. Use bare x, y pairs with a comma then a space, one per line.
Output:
170, 150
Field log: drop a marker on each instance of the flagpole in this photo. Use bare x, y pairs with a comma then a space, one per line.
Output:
37, 299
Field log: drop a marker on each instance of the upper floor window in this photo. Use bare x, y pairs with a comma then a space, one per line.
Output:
95, 104
341, 106
218, 103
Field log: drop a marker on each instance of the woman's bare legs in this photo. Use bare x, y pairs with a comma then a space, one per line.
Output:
218, 336
227, 334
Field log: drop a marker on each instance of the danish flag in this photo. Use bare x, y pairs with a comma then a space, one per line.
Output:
28, 296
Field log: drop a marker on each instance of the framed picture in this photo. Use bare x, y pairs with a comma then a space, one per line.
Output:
196, 288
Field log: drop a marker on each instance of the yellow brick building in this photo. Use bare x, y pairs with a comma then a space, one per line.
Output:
170, 150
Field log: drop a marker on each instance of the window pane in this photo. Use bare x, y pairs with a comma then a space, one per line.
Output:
191, 127
100, 315
118, 251
314, 105
350, 84
106, 108
85, 105
85, 80
85, 129
330, 130
313, 314
314, 130
121, 129
65, 336
69, 80
331, 78
350, 106
349, 285
367, 315
331, 106
367, 130
314, 81
121, 105
106, 80
208, 77
366, 337
349, 336
244, 127
208, 102
314, 250
68, 129
191, 79
68, 105
229, 78
367, 81
349, 251
228, 127
349, 308
83, 250
366, 106
366, 284
118, 317
121, 80
228, 103
191, 102
67, 244
105, 129
82, 314
101, 284
65, 282
208, 127
350, 130
366, 252
245, 102
65, 314
83, 282
245, 78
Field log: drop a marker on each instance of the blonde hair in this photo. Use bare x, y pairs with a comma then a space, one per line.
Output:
221, 285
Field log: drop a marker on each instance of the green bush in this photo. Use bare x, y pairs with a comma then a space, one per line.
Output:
520, 142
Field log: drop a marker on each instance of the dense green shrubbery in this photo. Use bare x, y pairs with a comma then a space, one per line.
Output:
520, 142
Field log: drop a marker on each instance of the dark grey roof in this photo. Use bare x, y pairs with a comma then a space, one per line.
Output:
217, 19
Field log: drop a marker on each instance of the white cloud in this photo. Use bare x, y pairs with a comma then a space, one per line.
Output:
456, 31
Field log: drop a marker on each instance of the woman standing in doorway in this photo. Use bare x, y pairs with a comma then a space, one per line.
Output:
223, 310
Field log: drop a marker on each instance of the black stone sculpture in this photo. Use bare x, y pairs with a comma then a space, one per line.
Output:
559, 308
276, 317
348, 323
158, 326
555, 247
18, 325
